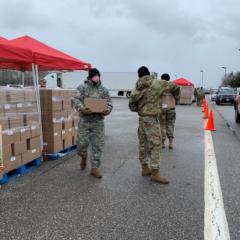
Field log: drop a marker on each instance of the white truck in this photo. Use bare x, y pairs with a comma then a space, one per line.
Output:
119, 84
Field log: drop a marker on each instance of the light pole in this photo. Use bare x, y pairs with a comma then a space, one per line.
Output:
202, 76
225, 68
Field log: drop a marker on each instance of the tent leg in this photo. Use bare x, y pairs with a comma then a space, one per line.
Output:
36, 85
23, 79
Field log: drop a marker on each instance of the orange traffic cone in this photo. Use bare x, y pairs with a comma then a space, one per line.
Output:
210, 123
204, 105
205, 116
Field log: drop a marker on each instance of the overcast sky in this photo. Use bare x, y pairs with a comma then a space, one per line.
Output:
180, 37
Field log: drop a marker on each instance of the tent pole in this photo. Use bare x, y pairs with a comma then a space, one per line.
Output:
23, 79
36, 85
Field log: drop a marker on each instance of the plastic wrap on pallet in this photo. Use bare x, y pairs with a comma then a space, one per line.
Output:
58, 119
20, 127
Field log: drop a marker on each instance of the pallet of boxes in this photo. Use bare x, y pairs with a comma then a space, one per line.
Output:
59, 121
20, 131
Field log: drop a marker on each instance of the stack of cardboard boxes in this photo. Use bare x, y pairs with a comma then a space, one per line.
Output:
187, 94
20, 138
59, 119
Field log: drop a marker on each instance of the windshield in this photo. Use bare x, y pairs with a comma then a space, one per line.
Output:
226, 91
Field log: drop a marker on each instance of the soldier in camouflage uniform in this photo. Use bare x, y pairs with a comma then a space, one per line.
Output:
200, 96
91, 125
168, 116
145, 100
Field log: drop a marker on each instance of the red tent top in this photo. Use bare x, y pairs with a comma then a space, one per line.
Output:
12, 57
2, 39
183, 82
49, 58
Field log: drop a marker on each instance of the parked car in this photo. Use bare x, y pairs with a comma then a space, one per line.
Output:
225, 95
237, 106
214, 94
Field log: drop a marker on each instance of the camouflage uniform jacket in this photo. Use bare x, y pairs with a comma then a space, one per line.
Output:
173, 90
145, 98
88, 89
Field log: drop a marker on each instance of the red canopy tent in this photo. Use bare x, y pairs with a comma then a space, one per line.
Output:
2, 39
183, 82
12, 57
48, 58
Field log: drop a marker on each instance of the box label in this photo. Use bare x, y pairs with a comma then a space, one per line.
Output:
7, 106
23, 130
19, 105
10, 132
33, 127
13, 158
34, 150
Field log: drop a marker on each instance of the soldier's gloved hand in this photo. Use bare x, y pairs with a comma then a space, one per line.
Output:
86, 110
105, 113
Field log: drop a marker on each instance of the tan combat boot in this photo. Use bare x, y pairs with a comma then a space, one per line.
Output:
83, 163
146, 170
155, 176
170, 143
96, 173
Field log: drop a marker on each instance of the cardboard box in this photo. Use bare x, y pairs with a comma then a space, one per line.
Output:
64, 113
33, 143
31, 106
4, 121
96, 105
54, 146
66, 104
76, 120
67, 142
29, 95
74, 142
10, 109
22, 108
25, 133
2, 95
67, 123
16, 121
52, 126
31, 119
64, 134
14, 95
11, 136
35, 130
168, 101
19, 147
31, 155
53, 141
1, 109
10, 161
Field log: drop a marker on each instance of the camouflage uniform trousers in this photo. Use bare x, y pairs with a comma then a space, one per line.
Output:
199, 102
149, 135
167, 122
91, 133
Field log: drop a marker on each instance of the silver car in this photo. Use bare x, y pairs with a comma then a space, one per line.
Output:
214, 94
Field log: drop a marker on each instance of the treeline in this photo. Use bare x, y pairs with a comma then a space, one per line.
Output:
231, 80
